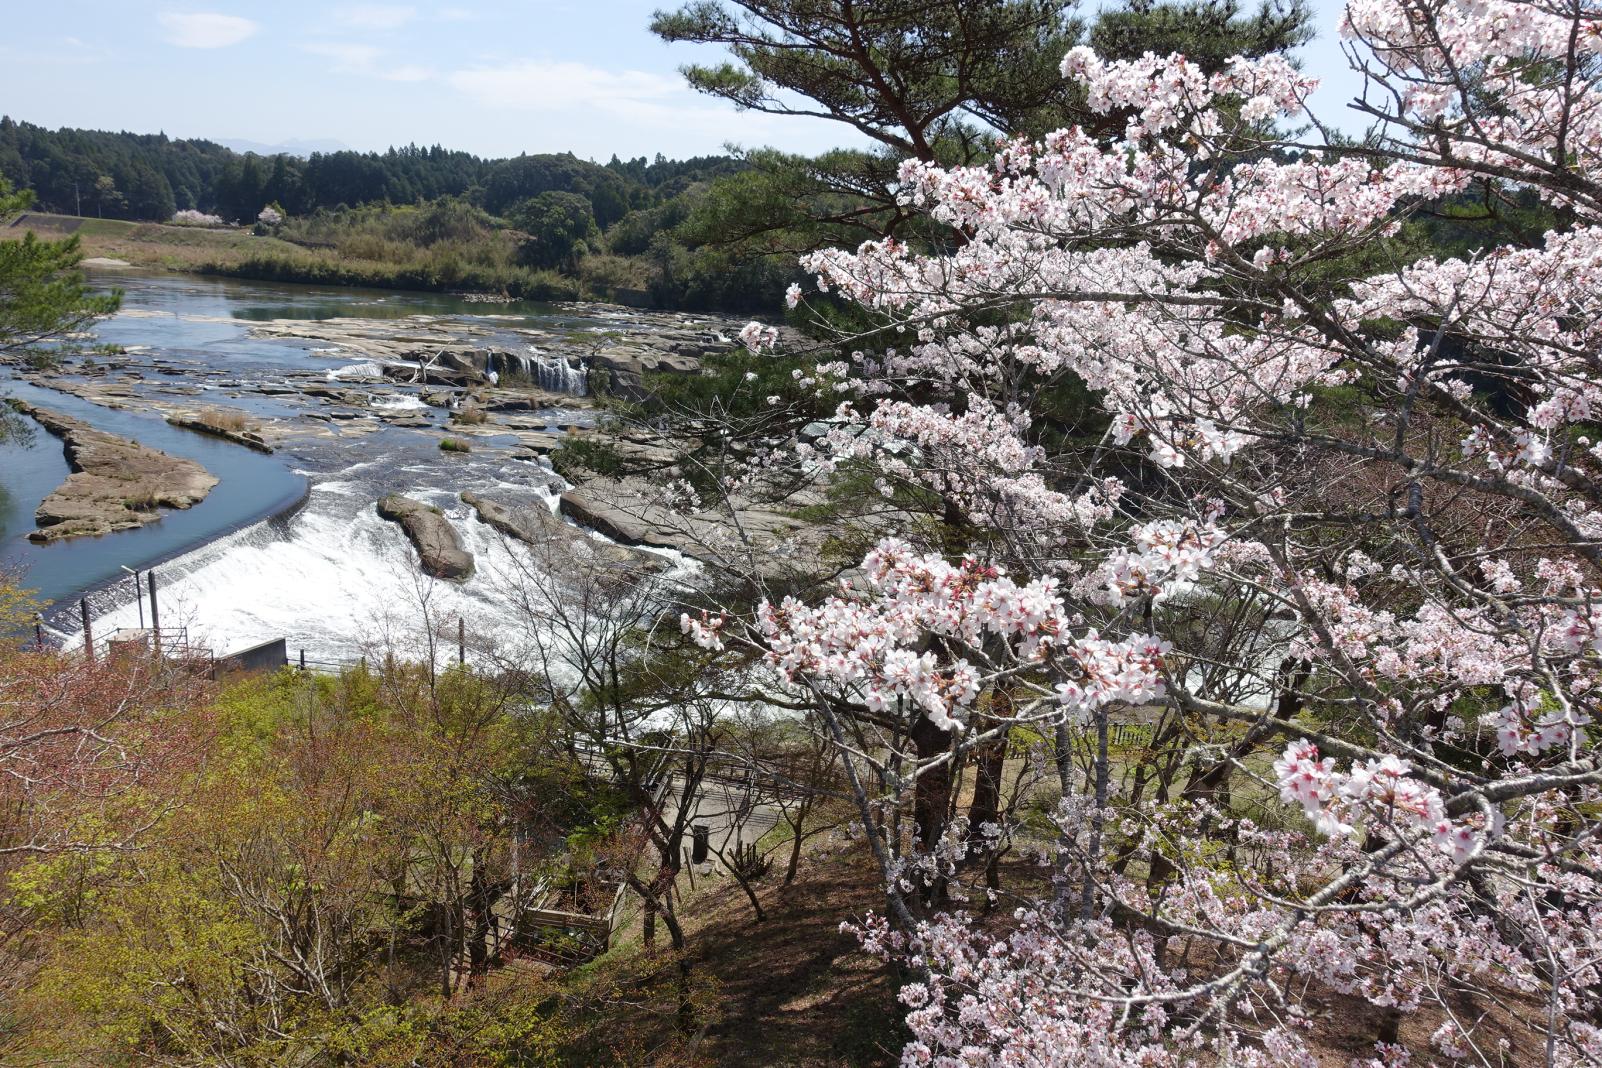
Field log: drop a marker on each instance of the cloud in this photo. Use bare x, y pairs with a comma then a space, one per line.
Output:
367, 60
376, 16
205, 29
533, 86
602, 111
348, 58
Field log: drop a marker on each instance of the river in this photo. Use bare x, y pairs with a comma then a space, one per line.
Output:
287, 545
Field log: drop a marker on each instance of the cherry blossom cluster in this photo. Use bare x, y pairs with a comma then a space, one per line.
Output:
978, 456
1392, 477
757, 336
880, 640
703, 628
1439, 55
1371, 792
1163, 557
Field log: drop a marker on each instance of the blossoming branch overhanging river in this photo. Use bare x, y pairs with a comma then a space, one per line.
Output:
287, 545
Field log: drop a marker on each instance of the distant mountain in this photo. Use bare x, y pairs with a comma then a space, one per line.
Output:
297, 147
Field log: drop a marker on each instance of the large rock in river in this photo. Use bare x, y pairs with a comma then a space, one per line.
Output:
116, 484
536, 526
438, 545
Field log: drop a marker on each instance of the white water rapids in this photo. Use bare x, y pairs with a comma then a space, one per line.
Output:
340, 584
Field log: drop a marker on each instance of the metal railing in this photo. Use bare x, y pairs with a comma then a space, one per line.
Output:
166, 643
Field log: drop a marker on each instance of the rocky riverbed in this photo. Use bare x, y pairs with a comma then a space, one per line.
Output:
116, 484
481, 377
356, 394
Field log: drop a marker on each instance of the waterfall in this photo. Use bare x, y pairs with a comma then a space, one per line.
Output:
553, 373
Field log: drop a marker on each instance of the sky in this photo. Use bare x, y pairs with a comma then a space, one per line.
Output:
493, 77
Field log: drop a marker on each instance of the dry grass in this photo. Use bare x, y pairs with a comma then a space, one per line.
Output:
225, 419
183, 248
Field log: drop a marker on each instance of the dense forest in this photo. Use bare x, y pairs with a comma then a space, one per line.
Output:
546, 226
149, 177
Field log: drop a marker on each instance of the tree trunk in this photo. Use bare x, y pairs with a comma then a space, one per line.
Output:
932, 798
795, 844
477, 931
1093, 852
745, 884
931, 803
989, 767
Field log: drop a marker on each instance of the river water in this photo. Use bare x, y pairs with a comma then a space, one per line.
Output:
287, 545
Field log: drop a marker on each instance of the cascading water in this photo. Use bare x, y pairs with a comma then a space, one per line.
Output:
330, 575
366, 371
340, 583
552, 372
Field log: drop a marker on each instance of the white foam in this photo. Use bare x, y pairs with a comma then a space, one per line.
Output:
342, 583
366, 371
396, 402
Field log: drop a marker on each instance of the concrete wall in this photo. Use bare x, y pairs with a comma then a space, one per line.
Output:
268, 656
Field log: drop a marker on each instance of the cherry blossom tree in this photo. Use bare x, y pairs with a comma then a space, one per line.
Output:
1337, 535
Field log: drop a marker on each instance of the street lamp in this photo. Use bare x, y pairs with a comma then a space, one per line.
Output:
138, 596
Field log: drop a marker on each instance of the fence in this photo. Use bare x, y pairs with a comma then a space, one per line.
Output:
169, 644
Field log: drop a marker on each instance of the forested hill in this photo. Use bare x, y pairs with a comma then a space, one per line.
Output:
150, 176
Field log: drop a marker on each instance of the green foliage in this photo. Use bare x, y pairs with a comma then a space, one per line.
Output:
510, 181
43, 295
560, 226
282, 908
409, 218
17, 605
136, 176
937, 83
509, 1028
1208, 32
454, 445
903, 72
427, 273
165, 922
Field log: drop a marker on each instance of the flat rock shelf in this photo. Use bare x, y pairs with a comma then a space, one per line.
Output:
116, 484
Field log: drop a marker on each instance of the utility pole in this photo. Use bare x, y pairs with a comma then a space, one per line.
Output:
155, 617
138, 594
88, 634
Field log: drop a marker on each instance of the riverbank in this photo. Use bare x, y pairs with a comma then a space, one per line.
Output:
354, 391
251, 488
231, 252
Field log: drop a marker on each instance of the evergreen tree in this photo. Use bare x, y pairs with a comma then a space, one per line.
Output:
935, 82
43, 295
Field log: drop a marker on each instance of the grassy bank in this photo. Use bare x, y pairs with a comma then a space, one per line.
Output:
477, 263
443, 246
447, 276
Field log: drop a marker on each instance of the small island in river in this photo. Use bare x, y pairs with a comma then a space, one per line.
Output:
116, 484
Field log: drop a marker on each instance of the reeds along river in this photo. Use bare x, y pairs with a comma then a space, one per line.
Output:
287, 545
